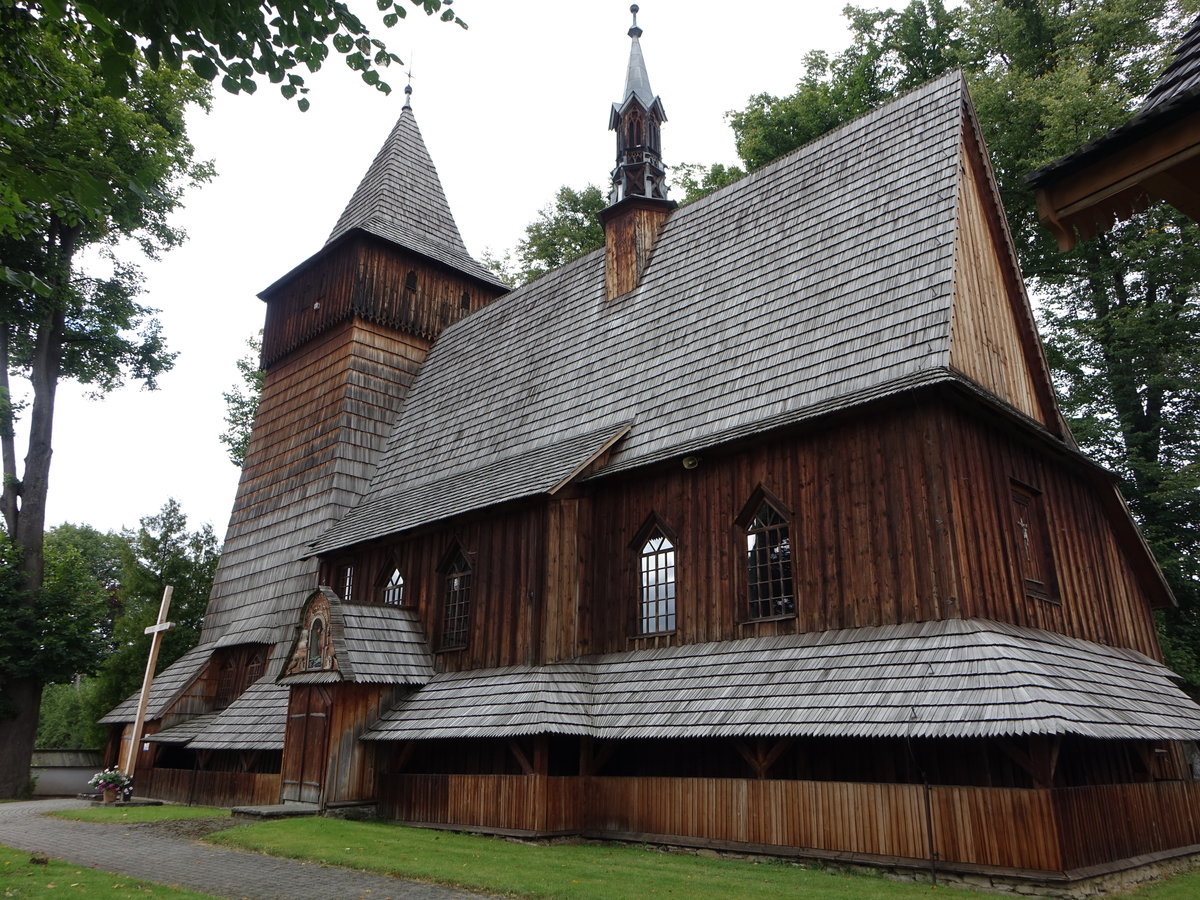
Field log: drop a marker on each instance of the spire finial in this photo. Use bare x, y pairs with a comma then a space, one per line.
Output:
635, 32
408, 87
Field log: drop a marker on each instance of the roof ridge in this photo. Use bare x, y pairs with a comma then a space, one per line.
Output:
830, 135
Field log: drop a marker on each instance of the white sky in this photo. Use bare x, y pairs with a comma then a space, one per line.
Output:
510, 110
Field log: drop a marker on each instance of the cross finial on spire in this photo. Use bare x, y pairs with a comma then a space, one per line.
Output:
408, 87
635, 32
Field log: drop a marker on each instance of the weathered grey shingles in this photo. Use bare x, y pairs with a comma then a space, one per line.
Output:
537, 470
254, 721
401, 199
955, 678
826, 276
167, 686
381, 645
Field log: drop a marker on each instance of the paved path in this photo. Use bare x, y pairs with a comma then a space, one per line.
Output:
157, 855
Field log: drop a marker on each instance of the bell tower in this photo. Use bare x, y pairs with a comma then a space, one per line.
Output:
638, 203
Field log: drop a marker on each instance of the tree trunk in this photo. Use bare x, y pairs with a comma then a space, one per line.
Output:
17, 733
22, 697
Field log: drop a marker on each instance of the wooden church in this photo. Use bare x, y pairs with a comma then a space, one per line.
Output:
758, 528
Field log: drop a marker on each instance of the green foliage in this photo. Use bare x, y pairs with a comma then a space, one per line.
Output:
161, 552
565, 230
577, 872
241, 403
68, 717
1119, 314
238, 41
890, 52
696, 181
52, 633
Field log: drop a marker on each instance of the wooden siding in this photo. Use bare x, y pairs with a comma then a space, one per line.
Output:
350, 764
507, 556
368, 278
1098, 596
1038, 829
326, 412
986, 339
209, 788
630, 231
904, 516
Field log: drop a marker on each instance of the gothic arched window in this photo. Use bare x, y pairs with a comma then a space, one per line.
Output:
769, 564
393, 589
656, 573
456, 609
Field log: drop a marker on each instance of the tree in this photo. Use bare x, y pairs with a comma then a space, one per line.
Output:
1119, 314
696, 181
564, 230
237, 41
68, 719
57, 632
161, 552
241, 403
86, 328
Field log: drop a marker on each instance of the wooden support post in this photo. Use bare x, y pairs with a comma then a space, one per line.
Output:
541, 755
157, 629
521, 758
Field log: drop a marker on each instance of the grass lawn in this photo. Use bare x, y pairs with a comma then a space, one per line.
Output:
124, 815
21, 878
605, 872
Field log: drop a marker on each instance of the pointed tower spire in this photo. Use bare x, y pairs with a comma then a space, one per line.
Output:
638, 203
401, 200
637, 120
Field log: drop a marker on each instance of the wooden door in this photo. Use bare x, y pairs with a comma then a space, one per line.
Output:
306, 743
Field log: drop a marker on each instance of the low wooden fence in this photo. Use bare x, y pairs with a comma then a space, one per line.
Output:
1046, 830
207, 788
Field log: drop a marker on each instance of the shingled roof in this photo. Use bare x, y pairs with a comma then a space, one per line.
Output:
817, 282
957, 678
167, 687
401, 200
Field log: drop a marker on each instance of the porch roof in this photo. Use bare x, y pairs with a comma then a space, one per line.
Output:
951, 679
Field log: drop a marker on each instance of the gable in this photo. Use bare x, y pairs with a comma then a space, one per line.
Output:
993, 339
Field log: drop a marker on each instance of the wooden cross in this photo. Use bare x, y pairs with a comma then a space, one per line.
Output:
157, 630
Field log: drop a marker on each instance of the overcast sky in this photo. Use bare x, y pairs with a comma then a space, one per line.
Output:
510, 109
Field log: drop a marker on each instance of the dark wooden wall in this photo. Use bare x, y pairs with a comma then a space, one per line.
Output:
506, 551
900, 516
368, 277
1098, 597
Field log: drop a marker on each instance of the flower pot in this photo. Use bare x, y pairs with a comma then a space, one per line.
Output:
110, 795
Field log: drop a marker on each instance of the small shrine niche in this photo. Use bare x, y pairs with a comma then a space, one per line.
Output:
313, 650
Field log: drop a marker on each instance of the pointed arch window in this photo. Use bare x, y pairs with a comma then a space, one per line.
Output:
456, 609
656, 572
316, 634
769, 564
410, 280
343, 582
393, 590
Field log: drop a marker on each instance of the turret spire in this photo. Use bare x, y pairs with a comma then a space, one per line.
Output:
638, 203
636, 120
